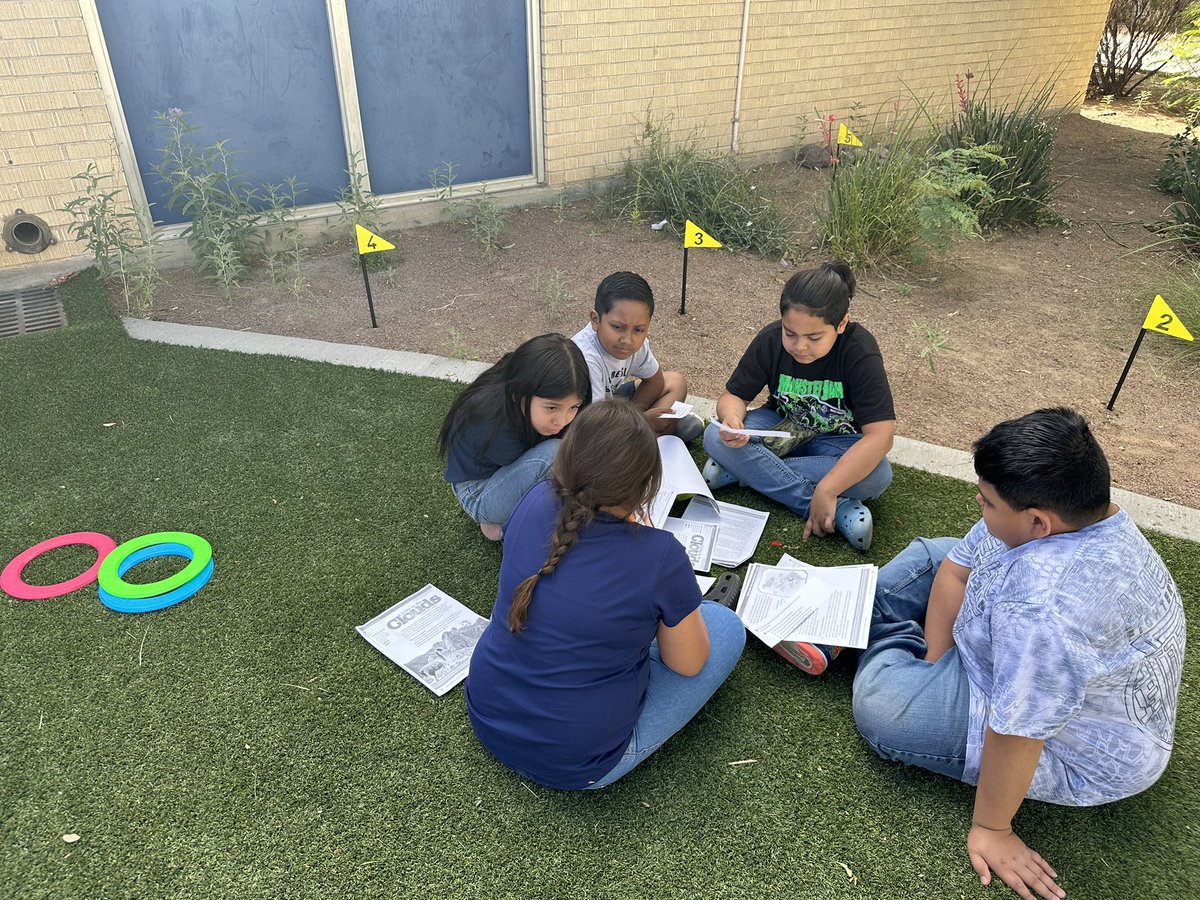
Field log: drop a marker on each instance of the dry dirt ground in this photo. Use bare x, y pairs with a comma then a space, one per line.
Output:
1038, 318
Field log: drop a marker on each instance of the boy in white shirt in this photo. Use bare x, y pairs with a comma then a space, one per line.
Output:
619, 359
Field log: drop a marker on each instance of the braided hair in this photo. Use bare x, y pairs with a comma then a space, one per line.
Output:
609, 459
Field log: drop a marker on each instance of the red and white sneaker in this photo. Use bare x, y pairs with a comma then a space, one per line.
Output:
811, 658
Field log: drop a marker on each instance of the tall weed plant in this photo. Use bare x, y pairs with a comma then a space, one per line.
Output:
206, 186
1022, 134
284, 249
123, 243
1183, 294
898, 196
673, 179
1183, 227
873, 212
1182, 163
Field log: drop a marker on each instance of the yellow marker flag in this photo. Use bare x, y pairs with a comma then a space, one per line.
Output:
370, 242
695, 236
1162, 318
846, 136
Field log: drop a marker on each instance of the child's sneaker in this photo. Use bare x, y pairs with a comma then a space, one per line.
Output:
689, 428
716, 475
725, 590
811, 658
854, 523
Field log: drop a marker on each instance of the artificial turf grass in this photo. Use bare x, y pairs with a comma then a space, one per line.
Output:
247, 742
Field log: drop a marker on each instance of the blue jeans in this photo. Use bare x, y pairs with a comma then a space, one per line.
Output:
673, 699
493, 499
907, 709
791, 480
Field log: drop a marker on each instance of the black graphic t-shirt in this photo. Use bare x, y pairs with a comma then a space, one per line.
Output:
839, 393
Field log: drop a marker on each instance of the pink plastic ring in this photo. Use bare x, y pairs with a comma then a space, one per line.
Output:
14, 585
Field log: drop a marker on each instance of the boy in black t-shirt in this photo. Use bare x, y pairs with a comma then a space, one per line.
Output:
828, 388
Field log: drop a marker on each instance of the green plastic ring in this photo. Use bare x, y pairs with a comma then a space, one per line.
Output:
110, 579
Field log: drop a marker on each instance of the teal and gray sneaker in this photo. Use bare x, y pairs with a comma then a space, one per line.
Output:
717, 476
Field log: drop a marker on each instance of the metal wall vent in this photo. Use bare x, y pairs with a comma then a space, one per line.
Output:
28, 310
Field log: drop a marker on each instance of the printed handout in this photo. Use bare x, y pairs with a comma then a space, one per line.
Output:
681, 477
741, 528
679, 409
428, 634
798, 602
698, 539
754, 432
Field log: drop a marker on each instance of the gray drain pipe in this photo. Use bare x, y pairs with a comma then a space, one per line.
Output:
737, 96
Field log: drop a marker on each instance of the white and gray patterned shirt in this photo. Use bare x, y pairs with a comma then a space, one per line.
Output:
607, 372
1076, 639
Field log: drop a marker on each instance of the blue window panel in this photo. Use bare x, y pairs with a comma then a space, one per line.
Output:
442, 81
258, 73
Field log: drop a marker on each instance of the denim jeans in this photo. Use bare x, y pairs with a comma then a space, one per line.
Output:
791, 480
673, 699
493, 499
907, 709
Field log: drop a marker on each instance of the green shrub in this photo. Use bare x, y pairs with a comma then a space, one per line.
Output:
874, 204
123, 242
207, 187
1181, 92
1183, 294
676, 180
1184, 227
1023, 135
1183, 160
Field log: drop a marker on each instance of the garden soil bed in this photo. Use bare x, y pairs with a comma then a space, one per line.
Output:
1039, 318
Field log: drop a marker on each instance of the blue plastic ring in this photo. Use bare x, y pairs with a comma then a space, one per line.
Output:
162, 601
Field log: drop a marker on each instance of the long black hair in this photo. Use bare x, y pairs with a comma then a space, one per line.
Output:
548, 366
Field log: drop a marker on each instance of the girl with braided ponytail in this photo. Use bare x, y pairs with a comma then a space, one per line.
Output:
599, 647
501, 433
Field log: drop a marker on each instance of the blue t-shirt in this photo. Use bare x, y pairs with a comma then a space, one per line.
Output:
1076, 639
477, 450
557, 703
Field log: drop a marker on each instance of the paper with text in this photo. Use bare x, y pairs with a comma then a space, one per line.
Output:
741, 529
699, 539
754, 432
679, 409
798, 602
680, 477
428, 634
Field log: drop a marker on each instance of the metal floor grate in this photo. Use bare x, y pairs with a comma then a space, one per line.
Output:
28, 310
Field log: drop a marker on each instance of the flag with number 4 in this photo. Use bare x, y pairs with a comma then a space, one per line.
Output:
370, 242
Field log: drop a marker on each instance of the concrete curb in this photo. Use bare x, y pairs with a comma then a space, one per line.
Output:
1148, 512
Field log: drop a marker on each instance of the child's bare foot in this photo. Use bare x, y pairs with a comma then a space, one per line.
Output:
491, 531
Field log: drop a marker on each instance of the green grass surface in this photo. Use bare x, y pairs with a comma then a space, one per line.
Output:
248, 742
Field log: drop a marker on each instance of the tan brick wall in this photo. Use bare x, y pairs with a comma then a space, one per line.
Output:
53, 118
606, 62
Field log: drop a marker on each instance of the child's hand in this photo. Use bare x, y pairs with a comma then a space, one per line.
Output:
733, 440
822, 511
1019, 867
659, 424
